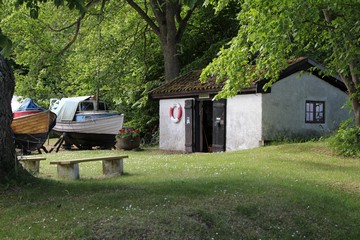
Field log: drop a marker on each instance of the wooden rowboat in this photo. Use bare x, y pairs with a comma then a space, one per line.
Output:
34, 123
31, 131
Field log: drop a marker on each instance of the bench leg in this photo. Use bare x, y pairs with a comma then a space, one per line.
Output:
68, 171
31, 166
113, 167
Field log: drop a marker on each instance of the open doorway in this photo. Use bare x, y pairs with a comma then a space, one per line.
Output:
205, 125
204, 129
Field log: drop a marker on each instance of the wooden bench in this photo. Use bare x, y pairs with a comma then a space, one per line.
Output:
69, 169
31, 164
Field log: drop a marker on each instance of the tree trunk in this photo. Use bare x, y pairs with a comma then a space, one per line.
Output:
7, 148
354, 91
352, 81
354, 96
169, 43
171, 61
169, 25
356, 109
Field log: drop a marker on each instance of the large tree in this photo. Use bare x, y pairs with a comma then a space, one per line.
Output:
62, 52
168, 19
274, 31
169, 24
8, 163
8, 168
7, 149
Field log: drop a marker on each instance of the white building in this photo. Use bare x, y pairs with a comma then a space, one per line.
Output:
299, 105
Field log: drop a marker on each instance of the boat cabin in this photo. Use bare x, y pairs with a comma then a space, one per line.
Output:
80, 109
92, 105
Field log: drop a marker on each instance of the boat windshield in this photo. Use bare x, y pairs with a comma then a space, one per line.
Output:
102, 106
90, 106
86, 106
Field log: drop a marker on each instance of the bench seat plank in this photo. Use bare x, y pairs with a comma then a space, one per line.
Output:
31, 158
31, 164
63, 162
69, 169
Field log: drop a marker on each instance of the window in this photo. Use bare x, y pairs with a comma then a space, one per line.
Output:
102, 106
315, 112
86, 106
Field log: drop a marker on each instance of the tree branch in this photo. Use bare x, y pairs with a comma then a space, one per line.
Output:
61, 29
354, 73
182, 24
77, 24
144, 16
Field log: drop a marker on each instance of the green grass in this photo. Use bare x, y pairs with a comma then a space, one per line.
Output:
290, 191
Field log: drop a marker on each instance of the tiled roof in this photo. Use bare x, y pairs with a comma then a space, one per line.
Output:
186, 85
189, 84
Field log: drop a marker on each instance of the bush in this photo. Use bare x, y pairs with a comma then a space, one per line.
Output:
347, 140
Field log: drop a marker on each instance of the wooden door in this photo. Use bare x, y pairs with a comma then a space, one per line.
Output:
189, 126
219, 122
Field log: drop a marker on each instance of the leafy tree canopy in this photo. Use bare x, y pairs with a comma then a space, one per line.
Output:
112, 49
274, 31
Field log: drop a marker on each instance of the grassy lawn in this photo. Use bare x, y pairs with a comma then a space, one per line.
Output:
290, 191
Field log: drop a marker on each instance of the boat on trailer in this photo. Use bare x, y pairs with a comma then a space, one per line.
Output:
31, 126
86, 122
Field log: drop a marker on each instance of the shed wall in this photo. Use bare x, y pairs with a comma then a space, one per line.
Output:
172, 135
284, 107
243, 122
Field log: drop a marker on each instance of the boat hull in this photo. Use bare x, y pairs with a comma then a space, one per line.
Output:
105, 125
34, 123
31, 131
25, 113
90, 133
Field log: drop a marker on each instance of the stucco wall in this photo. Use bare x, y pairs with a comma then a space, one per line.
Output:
284, 107
243, 122
172, 135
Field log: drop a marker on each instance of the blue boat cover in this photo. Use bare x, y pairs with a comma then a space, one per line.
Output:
29, 104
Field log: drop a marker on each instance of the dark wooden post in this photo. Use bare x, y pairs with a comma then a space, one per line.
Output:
219, 123
189, 126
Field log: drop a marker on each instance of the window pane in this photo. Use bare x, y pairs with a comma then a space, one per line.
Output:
87, 106
101, 106
309, 116
314, 112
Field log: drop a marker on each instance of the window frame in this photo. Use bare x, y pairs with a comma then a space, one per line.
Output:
314, 111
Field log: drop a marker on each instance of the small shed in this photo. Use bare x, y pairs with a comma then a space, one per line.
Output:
301, 104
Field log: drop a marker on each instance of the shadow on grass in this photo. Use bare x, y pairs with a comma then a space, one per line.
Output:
232, 207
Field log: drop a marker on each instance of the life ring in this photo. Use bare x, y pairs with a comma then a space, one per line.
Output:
179, 112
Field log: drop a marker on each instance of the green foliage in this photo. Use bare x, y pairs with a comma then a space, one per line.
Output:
347, 140
218, 4
115, 53
275, 31
33, 6
205, 35
5, 42
190, 3
5, 45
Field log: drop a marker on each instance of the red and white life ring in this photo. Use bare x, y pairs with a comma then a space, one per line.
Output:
179, 112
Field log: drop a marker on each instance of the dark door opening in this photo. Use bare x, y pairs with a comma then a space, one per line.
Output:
219, 122
205, 125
